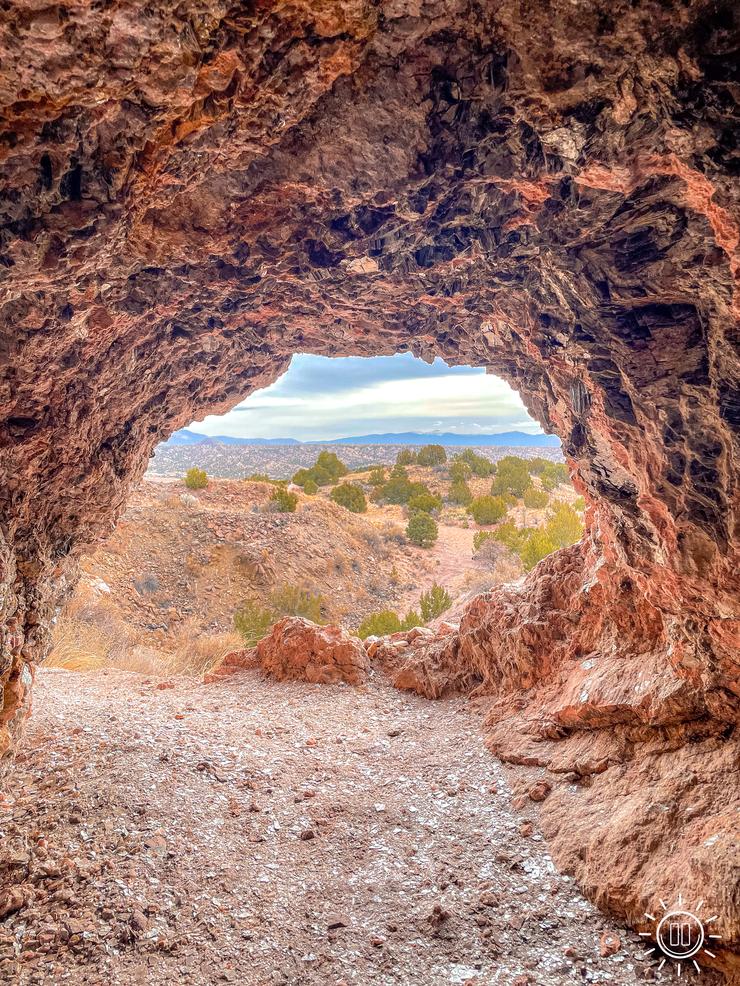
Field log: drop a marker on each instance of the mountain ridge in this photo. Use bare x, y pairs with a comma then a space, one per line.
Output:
509, 438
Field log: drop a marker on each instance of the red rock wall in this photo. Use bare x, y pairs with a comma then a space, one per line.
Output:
191, 193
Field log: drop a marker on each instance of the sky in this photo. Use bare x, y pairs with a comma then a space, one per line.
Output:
320, 398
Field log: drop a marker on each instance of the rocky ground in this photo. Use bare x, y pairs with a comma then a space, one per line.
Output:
280, 833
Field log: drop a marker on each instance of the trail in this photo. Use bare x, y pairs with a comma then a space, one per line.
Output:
257, 832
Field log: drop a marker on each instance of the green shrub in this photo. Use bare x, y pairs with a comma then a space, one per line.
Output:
253, 621
377, 476
331, 464
291, 600
553, 474
564, 526
351, 496
537, 546
283, 502
487, 509
579, 504
397, 490
379, 624
424, 502
196, 479
511, 535
460, 493
480, 537
311, 487
512, 476
535, 499
405, 457
422, 530
431, 455
411, 620
258, 477
434, 602
460, 470
479, 464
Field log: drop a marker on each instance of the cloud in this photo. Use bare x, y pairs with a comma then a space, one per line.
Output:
333, 398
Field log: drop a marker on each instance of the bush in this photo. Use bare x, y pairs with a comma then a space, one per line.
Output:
351, 496
253, 620
537, 546
535, 499
479, 464
510, 535
564, 526
377, 476
480, 538
386, 621
283, 502
196, 479
434, 602
422, 530
487, 509
399, 488
512, 476
379, 624
327, 469
411, 620
553, 475
460, 493
331, 464
291, 600
424, 503
405, 457
431, 455
310, 487
258, 477
460, 470
579, 504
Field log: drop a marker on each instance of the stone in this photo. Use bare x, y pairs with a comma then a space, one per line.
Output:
298, 649
609, 944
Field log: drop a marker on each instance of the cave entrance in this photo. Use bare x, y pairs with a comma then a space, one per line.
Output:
374, 494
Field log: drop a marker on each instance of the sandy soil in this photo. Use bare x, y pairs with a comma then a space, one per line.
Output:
267, 833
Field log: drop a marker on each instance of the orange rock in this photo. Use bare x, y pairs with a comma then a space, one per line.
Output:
298, 649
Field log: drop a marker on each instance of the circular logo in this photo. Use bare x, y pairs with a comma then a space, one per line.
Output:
680, 934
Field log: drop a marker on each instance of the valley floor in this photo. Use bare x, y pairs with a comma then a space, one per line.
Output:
258, 832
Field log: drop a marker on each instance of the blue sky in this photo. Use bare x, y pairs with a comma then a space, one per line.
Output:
321, 398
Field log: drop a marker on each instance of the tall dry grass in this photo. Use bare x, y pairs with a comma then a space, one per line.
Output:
90, 635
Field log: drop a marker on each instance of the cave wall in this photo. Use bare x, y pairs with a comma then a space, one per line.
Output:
192, 193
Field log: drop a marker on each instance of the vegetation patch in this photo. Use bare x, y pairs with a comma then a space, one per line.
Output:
351, 496
422, 530
196, 479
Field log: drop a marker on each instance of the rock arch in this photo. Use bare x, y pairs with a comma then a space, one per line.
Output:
192, 193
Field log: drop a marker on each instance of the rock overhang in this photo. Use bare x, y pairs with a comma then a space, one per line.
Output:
192, 196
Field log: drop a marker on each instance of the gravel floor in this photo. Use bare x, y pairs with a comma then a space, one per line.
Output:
266, 833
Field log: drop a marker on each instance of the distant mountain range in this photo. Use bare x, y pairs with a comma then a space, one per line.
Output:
510, 438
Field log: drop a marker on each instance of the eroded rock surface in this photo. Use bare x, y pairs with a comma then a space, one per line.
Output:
191, 193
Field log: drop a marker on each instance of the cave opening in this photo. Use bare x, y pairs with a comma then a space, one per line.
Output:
381, 494
551, 193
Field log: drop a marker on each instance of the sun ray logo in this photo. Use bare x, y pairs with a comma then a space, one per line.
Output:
680, 935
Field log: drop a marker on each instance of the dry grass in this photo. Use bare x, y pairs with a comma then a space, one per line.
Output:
89, 636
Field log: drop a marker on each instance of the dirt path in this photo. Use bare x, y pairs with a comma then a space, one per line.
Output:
254, 832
